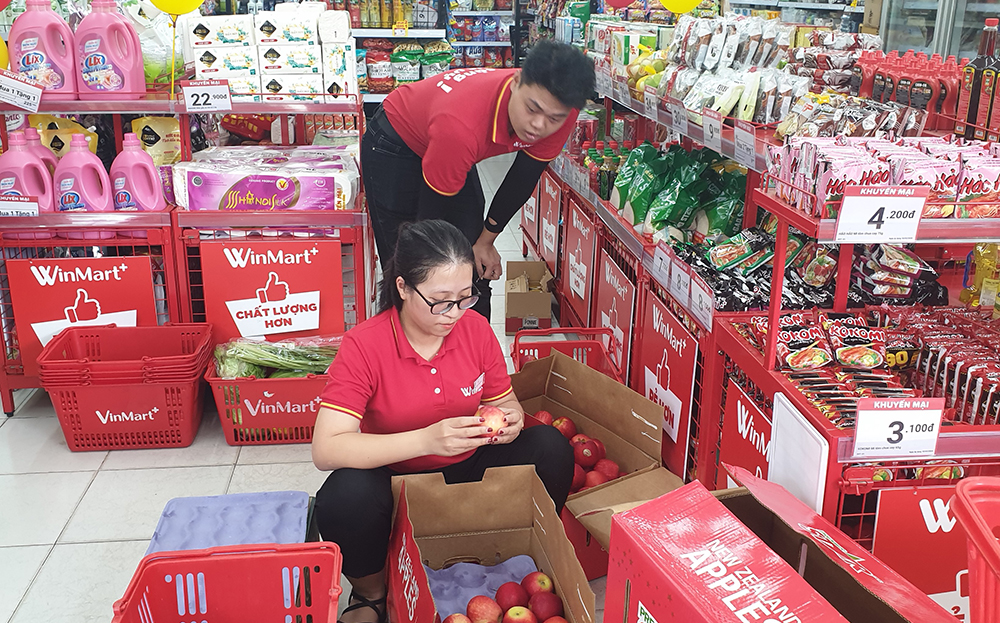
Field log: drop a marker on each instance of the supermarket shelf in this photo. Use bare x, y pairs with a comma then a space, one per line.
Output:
225, 220
813, 6
166, 106
855, 9
954, 442
767, 4
485, 44
484, 13
374, 98
414, 33
76, 220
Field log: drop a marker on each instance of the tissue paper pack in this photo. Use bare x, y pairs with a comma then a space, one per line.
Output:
216, 62
220, 30
245, 89
340, 74
334, 27
290, 59
286, 27
292, 87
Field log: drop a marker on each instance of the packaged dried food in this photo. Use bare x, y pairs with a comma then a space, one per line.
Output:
675, 52
857, 347
738, 248
803, 348
979, 189
698, 43
902, 261
769, 36
716, 45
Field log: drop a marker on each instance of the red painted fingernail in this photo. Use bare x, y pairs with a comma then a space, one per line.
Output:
482, 419
505, 420
489, 430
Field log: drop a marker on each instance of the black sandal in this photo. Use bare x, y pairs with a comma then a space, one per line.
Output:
363, 602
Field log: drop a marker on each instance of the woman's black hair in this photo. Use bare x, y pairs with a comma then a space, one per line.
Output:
420, 248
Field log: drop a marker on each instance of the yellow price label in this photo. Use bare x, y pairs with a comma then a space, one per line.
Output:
401, 29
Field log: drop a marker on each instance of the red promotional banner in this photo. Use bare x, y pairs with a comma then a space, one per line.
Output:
666, 360
578, 264
746, 437
917, 535
615, 309
51, 295
548, 226
273, 289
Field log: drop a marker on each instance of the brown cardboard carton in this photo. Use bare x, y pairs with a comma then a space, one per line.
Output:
866, 30
873, 14
527, 297
507, 514
631, 427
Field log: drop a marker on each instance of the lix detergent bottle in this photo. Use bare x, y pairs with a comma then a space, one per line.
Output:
135, 182
23, 174
41, 48
109, 57
81, 184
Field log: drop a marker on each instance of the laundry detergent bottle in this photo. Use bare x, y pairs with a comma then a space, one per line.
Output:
35, 146
135, 180
23, 174
108, 54
80, 182
41, 48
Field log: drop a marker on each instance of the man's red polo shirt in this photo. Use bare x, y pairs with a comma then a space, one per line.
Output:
459, 118
378, 378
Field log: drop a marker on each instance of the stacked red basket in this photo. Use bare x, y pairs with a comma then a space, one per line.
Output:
127, 387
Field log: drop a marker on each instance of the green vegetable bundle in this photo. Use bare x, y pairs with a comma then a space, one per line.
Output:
285, 359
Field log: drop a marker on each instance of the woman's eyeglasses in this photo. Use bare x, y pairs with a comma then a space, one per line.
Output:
439, 308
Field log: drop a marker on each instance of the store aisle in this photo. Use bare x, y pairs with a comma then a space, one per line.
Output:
74, 525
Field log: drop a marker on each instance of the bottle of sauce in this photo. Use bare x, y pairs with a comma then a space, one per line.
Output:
879, 80
925, 91
905, 82
972, 78
949, 82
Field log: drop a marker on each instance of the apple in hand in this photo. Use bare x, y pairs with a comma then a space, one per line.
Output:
510, 595
536, 582
546, 605
544, 417
494, 419
457, 618
519, 614
482, 609
565, 426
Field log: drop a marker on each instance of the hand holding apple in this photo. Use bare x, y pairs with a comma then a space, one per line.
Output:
454, 436
494, 419
514, 426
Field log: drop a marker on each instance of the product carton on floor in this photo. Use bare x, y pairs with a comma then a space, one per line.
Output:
507, 514
631, 428
746, 555
527, 298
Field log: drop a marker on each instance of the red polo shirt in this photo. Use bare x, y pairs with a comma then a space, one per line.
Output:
459, 118
378, 378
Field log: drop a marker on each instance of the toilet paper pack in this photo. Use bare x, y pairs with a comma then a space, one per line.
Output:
220, 30
274, 27
217, 62
290, 59
334, 27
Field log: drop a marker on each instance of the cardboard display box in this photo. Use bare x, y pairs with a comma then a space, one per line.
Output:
873, 14
631, 428
528, 301
507, 514
751, 554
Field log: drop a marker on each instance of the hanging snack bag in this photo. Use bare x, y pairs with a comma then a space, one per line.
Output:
803, 348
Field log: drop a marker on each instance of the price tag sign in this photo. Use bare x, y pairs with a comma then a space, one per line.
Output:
662, 263
206, 95
401, 29
746, 145
897, 428
712, 125
19, 91
880, 214
678, 116
11, 205
649, 102
702, 301
680, 282
605, 77
621, 91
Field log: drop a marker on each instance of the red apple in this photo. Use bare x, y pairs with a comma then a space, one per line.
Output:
595, 478
482, 609
601, 451
546, 605
565, 426
579, 476
457, 618
607, 467
544, 417
494, 419
556, 620
585, 454
520, 614
511, 594
536, 582
578, 438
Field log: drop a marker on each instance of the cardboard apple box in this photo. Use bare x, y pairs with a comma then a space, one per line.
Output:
507, 514
750, 554
629, 425
527, 298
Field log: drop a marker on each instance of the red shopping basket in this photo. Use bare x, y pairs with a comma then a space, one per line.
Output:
588, 348
235, 584
267, 411
976, 505
126, 349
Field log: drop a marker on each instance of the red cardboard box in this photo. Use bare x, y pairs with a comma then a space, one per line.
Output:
507, 514
745, 555
631, 428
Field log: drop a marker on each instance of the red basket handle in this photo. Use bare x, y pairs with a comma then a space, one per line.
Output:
595, 332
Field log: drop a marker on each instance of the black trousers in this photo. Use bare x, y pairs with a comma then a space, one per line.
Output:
393, 176
354, 507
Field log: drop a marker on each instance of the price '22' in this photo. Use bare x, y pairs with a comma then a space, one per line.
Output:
203, 99
878, 219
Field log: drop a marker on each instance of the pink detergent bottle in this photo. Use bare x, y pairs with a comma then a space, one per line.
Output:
22, 173
35, 146
109, 57
81, 184
136, 182
41, 48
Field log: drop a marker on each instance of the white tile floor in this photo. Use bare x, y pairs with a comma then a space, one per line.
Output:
74, 525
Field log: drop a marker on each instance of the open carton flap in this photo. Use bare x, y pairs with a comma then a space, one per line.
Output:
828, 559
595, 507
508, 513
579, 388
